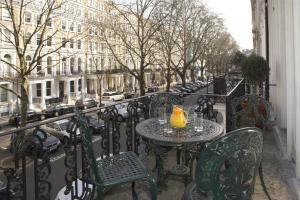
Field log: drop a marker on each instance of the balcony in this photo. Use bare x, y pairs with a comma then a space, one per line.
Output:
48, 172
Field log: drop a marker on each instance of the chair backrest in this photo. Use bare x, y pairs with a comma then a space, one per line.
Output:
87, 146
161, 101
227, 168
249, 111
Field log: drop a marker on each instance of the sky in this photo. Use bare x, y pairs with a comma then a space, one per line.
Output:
237, 15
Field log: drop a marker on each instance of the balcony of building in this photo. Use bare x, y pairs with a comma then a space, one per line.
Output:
40, 170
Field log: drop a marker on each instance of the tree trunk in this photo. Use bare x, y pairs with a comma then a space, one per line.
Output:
168, 78
142, 85
183, 78
24, 101
193, 74
17, 138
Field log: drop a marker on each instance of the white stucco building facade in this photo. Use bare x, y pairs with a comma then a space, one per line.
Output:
283, 19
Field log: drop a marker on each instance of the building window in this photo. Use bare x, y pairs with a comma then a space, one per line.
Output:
5, 14
27, 38
72, 86
49, 65
4, 94
64, 43
79, 64
90, 64
96, 46
49, 41
71, 43
79, 28
28, 60
72, 65
72, 27
38, 89
79, 44
64, 65
49, 22
90, 31
7, 36
48, 88
28, 17
39, 67
38, 39
96, 63
63, 25
79, 85
38, 19
90, 46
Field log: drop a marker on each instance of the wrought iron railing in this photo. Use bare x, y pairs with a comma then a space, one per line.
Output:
36, 174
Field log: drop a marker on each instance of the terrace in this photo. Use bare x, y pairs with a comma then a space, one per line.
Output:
31, 173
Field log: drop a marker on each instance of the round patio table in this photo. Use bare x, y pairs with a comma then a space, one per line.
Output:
154, 131
163, 140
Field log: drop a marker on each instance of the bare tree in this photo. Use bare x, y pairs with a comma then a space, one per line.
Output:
219, 56
196, 27
129, 33
167, 37
19, 34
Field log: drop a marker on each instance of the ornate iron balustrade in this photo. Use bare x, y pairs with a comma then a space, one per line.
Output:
34, 170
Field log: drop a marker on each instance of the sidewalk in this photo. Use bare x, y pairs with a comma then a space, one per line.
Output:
3, 121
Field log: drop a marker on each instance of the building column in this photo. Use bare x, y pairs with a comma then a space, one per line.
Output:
76, 88
30, 95
68, 91
290, 77
53, 89
43, 94
296, 13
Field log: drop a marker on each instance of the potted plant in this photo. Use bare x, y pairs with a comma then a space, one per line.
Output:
255, 69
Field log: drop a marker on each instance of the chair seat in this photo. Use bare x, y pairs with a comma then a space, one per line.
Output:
191, 193
122, 168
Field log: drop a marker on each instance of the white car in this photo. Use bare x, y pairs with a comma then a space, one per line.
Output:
112, 96
61, 126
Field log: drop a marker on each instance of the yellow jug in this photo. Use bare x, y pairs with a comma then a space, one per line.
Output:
178, 117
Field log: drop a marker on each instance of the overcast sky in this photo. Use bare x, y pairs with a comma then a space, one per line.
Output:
237, 15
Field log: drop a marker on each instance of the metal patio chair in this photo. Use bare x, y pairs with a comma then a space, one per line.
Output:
251, 111
227, 168
110, 171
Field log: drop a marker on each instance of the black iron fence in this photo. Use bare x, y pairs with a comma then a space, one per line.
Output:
35, 172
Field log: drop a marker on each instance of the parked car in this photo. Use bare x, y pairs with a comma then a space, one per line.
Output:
61, 126
3, 191
96, 124
86, 103
129, 94
189, 86
58, 109
50, 143
176, 91
113, 96
32, 116
153, 89
183, 89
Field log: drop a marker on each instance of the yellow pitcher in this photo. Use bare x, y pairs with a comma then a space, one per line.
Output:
178, 117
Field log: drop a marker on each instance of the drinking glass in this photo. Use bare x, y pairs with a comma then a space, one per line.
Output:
162, 117
168, 127
198, 122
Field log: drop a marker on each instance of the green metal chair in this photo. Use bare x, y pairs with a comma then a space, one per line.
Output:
251, 111
227, 168
111, 171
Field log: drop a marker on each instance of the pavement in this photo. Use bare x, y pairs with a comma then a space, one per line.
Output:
276, 175
3, 121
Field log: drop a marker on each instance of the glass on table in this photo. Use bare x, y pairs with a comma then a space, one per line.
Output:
162, 116
198, 122
167, 127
